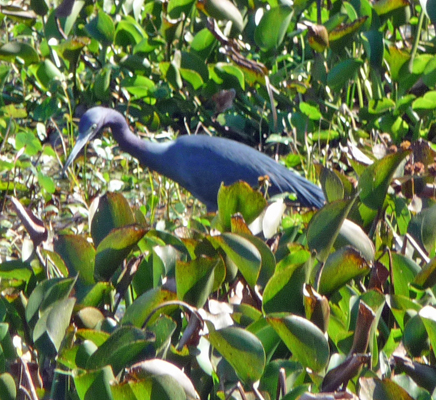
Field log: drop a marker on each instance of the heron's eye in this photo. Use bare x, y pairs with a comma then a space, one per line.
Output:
93, 127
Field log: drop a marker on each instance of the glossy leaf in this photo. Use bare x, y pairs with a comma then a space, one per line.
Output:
195, 280
342, 72
375, 180
50, 328
242, 350
102, 28
270, 32
283, 292
374, 388
94, 384
142, 307
239, 198
24, 51
78, 256
304, 339
109, 211
156, 367
242, 253
122, 347
340, 267
428, 317
114, 248
8, 389
328, 219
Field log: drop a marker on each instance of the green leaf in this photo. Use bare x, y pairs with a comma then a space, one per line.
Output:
102, 28
78, 255
144, 305
223, 10
111, 211
341, 267
375, 180
242, 350
242, 253
195, 280
10, 51
328, 219
382, 7
29, 141
114, 248
122, 347
284, 292
342, 72
94, 384
374, 388
8, 389
270, 32
239, 198
50, 328
311, 110
156, 367
304, 339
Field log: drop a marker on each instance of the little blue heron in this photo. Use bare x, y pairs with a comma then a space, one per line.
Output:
199, 163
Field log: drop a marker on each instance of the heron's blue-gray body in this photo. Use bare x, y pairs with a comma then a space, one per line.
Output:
199, 163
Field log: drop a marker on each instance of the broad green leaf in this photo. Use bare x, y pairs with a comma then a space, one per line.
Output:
270, 32
375, 180
304, 339
10, 51
239, 198
122, 347
129, 32
242, 350
195, 280
342, 72
353, 235
386, 389
415, 337
8, 389
94, 384
396, 58
46, 294
331, 184
428, 317
203, 43
222, 10
242, 253
328, 219
156, 367
29, 141
426, 277
311, 110
143, 306
425, 104
374, 47
50, 328
284, 291
114, 248
382, 7
340, 267
109, 211
78, 255
341, 36
102, 28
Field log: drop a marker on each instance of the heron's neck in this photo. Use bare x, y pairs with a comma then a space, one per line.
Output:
148, 153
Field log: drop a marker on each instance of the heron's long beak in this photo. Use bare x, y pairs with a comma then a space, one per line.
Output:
82, 139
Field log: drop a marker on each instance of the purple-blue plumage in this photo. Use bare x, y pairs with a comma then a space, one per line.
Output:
199, 163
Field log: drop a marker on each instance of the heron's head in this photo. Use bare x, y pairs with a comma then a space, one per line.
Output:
90, 125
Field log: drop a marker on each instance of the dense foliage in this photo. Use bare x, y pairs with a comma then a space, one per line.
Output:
116, 284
